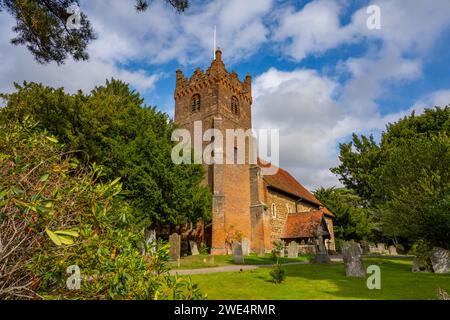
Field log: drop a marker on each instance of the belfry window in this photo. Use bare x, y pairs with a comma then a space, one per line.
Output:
196, 102
235, 105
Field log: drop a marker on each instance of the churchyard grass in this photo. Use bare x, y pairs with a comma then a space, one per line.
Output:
197, 262
325, 282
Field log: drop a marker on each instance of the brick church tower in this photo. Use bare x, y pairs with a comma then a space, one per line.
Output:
220, 101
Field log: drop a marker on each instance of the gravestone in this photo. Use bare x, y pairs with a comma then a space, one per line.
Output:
293, 250
185, 248
393, 251
381, 248
351, 253
238, 256
420, 266
175, 247
194, 248
307, 249
365, 247
440, 259
322, 252
373, 249
245, 247
150, 242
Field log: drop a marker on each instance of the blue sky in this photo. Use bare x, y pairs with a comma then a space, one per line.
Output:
319, 73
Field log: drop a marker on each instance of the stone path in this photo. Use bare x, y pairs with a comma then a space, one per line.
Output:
234, 268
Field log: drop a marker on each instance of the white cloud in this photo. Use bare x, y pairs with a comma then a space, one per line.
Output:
440, 98
160, 35
18, 65
300, 105
126, 37
411, 26
312, 110
312, 30
315, 112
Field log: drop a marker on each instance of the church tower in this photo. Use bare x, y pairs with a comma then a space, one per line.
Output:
220, 101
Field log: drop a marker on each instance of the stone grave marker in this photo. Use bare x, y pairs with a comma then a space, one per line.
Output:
322, 252
293, 250
351, 253
373, 249
175, 247
393, 251
245, 247
150, 242
381, 248
238, 256
194, 248
365, 247
440, 259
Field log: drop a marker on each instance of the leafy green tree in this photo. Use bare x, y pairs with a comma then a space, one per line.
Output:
405, 178
56, 213
111, 126
416, 181
41, 25
352, 220
359, 159
362, 158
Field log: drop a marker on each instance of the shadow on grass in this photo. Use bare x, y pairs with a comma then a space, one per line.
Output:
397, 280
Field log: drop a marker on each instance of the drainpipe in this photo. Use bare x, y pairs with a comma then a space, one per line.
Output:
296, 204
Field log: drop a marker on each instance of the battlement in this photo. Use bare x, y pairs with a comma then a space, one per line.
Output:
215, 75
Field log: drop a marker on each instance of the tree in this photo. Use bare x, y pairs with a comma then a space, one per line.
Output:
352, 221
42, 26
55, 214
359, 159
416, 181
111, 126
404, 179
363, 157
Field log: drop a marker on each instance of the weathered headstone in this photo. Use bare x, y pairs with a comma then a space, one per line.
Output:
322, 252
440, 259
393, 251
245, 247
238, 256
175, 247
150, 242
373, 249
422, 263
365, 247
194, 248
307, 249
381, 248
185, 248
351, 253
293, 250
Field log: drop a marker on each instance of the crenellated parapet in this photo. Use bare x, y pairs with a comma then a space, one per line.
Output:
216, 74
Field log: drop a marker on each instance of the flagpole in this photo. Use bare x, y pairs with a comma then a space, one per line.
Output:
215, 42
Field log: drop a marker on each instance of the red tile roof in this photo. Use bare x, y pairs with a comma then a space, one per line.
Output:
284, 181
302, 225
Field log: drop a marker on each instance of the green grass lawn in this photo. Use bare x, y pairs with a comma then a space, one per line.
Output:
325, 282
197, 262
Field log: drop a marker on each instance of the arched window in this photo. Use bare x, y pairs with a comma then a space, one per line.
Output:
196, 102
274, 210
235, 105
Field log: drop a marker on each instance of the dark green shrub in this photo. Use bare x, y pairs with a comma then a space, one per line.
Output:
278, 274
